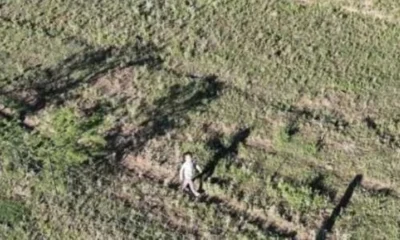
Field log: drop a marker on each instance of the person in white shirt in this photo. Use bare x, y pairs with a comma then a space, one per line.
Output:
187, 172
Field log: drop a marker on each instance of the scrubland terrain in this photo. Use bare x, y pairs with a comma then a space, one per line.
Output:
291, 107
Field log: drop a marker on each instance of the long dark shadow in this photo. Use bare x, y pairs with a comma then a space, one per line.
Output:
163, 115
223, 152
38, 87
344, 201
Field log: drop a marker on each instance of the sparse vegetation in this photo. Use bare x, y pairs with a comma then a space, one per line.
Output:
290, 106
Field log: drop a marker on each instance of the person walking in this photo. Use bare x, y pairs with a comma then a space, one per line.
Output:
187, 172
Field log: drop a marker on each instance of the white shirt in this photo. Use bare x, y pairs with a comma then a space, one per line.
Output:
188, 170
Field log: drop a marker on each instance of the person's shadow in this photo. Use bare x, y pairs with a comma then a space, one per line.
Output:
230, 153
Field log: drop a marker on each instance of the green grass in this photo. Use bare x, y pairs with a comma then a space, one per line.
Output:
11, 212
316, 83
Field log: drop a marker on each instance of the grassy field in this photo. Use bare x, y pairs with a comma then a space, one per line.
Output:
291, 107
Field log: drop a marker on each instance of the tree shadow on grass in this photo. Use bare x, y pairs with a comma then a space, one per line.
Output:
39, 87
163, 115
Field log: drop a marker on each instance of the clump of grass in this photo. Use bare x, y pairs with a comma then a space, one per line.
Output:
12, 212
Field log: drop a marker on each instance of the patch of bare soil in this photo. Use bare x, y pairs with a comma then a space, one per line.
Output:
29, 121
261, 143
335, 143
346, 105
379, 187
119, 81
218, 128
5, 111
28, 96
372, 13
143, 166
